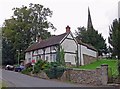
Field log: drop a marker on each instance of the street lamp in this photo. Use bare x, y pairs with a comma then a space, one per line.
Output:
18, 56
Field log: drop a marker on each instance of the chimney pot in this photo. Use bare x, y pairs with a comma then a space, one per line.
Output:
67, 29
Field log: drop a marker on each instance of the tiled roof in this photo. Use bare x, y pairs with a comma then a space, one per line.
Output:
54, 40
48, 42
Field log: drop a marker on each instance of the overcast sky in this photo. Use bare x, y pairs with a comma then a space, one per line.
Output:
70, 12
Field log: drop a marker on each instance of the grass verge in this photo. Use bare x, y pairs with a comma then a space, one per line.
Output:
112, 65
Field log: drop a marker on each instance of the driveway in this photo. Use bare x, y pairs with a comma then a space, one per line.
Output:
15, 79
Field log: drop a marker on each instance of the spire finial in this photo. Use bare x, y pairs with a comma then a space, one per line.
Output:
89, 23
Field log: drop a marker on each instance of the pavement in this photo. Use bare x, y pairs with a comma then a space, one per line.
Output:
15, 79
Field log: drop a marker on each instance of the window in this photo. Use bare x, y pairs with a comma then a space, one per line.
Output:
28, 53
36, 51
54, 57
37, 57
40, 51
43, 57
46, 58
29, 60
53, 48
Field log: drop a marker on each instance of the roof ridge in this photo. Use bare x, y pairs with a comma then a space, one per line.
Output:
53, 36
53, 40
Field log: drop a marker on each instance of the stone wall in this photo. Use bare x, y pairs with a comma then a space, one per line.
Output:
42, 75
99, 76
68, 64
88, 59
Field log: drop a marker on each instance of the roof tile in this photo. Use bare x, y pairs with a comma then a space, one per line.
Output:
48, 42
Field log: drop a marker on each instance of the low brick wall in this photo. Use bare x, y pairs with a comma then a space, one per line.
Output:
99, 76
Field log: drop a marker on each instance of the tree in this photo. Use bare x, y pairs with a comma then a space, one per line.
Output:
25, 26
77, 59
114, 40
92, 37
7, 53
60, 56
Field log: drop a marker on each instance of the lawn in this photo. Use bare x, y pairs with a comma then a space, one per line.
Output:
112, 65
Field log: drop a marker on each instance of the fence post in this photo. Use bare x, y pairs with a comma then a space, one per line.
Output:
104, 74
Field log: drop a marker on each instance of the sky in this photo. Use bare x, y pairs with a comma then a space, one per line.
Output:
70, 12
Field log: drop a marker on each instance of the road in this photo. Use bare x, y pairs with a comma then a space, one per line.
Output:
15, 79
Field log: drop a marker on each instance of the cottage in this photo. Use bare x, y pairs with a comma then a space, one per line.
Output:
47, 49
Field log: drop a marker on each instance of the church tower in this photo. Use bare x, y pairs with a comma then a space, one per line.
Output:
89, 23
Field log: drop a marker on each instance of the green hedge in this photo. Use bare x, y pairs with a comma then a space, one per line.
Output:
55, 72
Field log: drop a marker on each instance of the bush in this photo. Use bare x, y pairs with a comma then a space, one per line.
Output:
28, 65
36, 69
54, 72
27, 70
46, 66
53, 69
54, 64
60, 71
40, 65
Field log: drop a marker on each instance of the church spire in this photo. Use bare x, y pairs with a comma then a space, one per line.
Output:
89, 23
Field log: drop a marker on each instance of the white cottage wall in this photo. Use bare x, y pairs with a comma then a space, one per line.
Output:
70, 58
47, 50
40, 51
28, 57
47, 54
70, 47
84, 50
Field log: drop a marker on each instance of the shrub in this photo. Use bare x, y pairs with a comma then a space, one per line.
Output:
36, 69
40, 65
60, 71
49, 73
27, 70
46, 66
28, 65
54, 72
54, 64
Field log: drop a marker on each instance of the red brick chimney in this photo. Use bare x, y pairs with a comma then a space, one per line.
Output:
68, 29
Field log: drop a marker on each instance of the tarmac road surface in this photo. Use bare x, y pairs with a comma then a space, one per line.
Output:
15, 79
